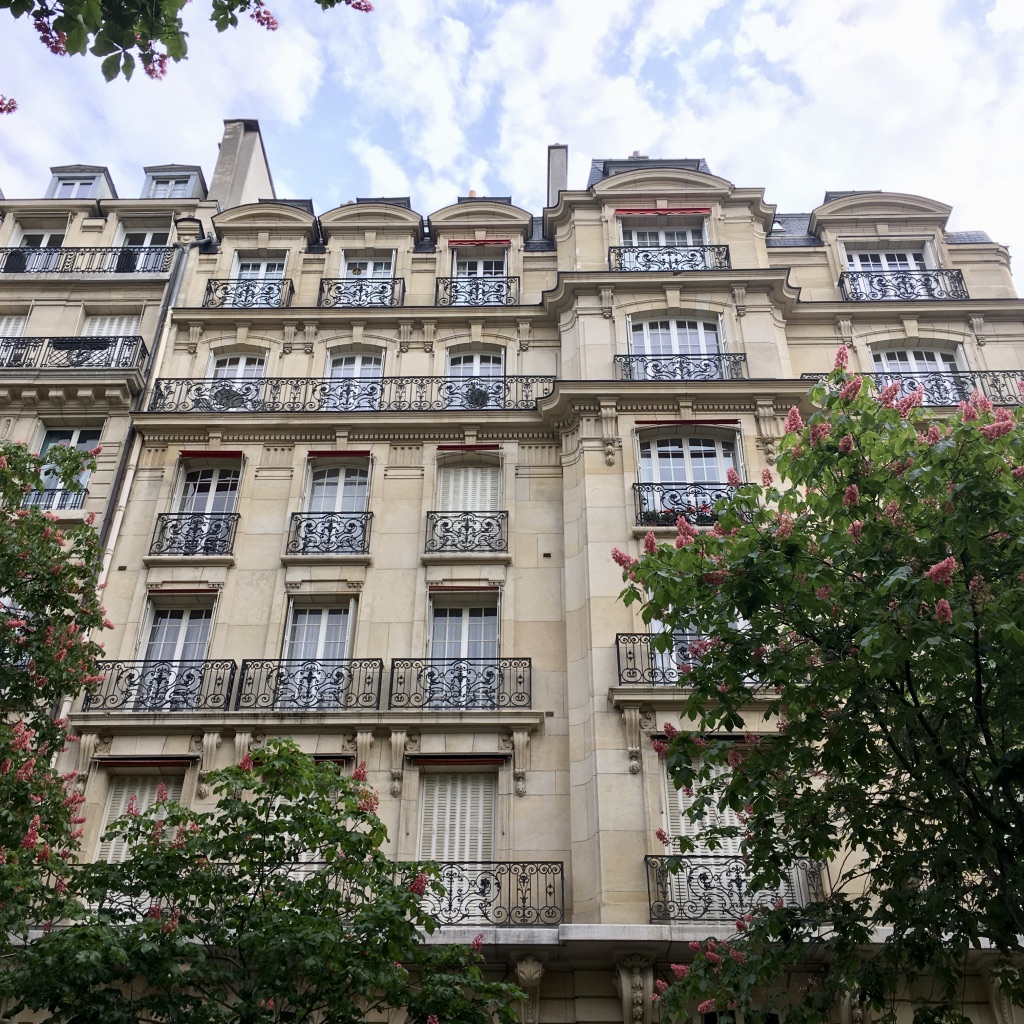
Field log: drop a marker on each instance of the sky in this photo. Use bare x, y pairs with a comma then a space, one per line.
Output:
432, 98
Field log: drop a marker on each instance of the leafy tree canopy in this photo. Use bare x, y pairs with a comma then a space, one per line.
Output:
48, 608
871, 607
126, 33
277, 905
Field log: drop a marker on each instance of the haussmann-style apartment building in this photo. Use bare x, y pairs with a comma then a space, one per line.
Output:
362, 472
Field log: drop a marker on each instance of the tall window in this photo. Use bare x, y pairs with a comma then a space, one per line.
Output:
120, 791
682, 476
480, 278
675, 350
174, 660
134, 257
356, 380
334, 519
463, 671
40, 255
457, 816
469, 488
209, 491
475, 379
258, 282
935, 371
338, 489
82, 438
319, 634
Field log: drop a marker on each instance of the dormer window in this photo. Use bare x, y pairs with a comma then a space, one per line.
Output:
173, 182
75, 188
170, 188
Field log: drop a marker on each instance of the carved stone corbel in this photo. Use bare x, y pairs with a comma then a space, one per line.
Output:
243, 744
195, 335
524, 334
289, 338
529, 972
397, 762
87, 744
631, 718
364, 740
768, 446
429, 335
844, 331
308, 338
609, 431
607, 297
977, 324
404, 335
206, 746
635, 982
520, 760
739, 298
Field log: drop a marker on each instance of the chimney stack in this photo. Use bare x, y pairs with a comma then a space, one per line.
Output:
558, 171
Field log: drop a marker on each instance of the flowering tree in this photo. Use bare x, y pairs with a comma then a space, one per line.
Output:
131, 32
48, 606
871, 608
279, 905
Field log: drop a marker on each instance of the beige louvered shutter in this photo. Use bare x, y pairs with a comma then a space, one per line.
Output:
12, 326
111, 326
457, 822
676, 804
469, 489
122, 788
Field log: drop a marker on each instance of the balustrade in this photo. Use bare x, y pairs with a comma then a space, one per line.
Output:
162, 686
467, 531
719, 366
669, 257
312, 684
460, 684
194, 533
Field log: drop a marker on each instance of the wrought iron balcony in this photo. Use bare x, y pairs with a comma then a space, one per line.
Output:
722, 366
194, 533
713, 887
663, 504
155, 686
329, 533
111, 352
901, 285
366, 291
126, 259
467, 531
460, 684
669, 257
514, 894
247, 293
349, 394
55, 499
641, 665
309, 685
477, 291
951, 387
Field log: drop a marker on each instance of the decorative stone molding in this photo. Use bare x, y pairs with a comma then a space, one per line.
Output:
103, 745
243, 744
206, 746
195, 335
404, 335
768, 446
289, 338
429, 335
364, 740
607, 297
397, 761
977, 325
610, 431
739, 298
631, 718
635, 982
87, 744
1003, 1008
520, 760
529, 972
524, 335
844, 331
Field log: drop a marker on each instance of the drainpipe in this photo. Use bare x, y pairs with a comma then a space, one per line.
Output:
125, 475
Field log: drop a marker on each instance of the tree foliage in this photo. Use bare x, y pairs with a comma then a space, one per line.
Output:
48, 608
126, 33
871, 608
277, 905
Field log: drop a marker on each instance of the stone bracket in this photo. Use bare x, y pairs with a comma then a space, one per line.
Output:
529, 972
207, 746
635, 982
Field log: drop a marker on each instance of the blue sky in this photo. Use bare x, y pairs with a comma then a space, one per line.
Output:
431, 98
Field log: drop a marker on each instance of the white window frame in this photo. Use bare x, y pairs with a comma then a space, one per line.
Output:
120, 790
12, 325
238, 366
186, 491
113, 326
170, 186
651, 471
260, 268
323, 641
347, 491
80, 186
680, 232
51, 481
482, 262
359, 267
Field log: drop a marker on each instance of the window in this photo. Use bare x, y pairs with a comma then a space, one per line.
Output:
40, 253
53, 495
174, 660
675, 350
368, 267
204, 519
478, 278
935, 371
463, 671
667, 243
338, 489
885, 262
468, 514
356, 380
240, 367
469, 488
75, 188
12, 326
120, 790
475, 380
319, 634
170, 188
134, 257
111, 326
261, 270
257, 282
457, 816
659, 237
335, 520
682, 476
209, 491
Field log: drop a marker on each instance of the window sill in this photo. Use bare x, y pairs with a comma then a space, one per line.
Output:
466, 557
329, 558
154, 560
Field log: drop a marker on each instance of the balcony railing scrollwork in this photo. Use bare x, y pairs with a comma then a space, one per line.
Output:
467, 531
125, 259
113, 352
159, 686
460, 684
246, 293
720, 366
351, 394
329, 533
669, 257
901, 285
194, 533
951, 387
663, 504
641, 665
55, 499
369, 291
313, 684
714, 887
498, 893
477, 291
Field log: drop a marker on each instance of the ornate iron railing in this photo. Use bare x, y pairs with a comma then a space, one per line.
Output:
369, 291
951, 387
312, 394
721, 366
901, 285
713, 887
55, 499
309, 685
460, 684
663, 504
329, 533
247, 293
477, 291
125, 259
153, 686
194, 533
114, 352
641, 665
467, 531
514, 894
669, 257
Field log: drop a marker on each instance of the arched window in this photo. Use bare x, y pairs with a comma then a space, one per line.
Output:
677, 350
355, 377
682, 476
937, 371
475, 379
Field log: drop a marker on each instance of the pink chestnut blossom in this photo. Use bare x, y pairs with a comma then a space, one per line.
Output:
622, 559
851, 389
650, 543
1003, 425
766, 477
794, 422
943, 613
851, 496
842, 358
733, 478
887, 396
942, 572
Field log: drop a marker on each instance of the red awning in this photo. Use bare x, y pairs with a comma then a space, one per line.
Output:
674, 211
478, 241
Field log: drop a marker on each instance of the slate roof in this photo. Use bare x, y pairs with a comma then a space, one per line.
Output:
605, 168
791, 230
966, 237
537, 242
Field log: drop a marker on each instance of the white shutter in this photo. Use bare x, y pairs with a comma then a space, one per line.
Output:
122, 789
12, 326
677, 824
111, 326
469, 489
457, 819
